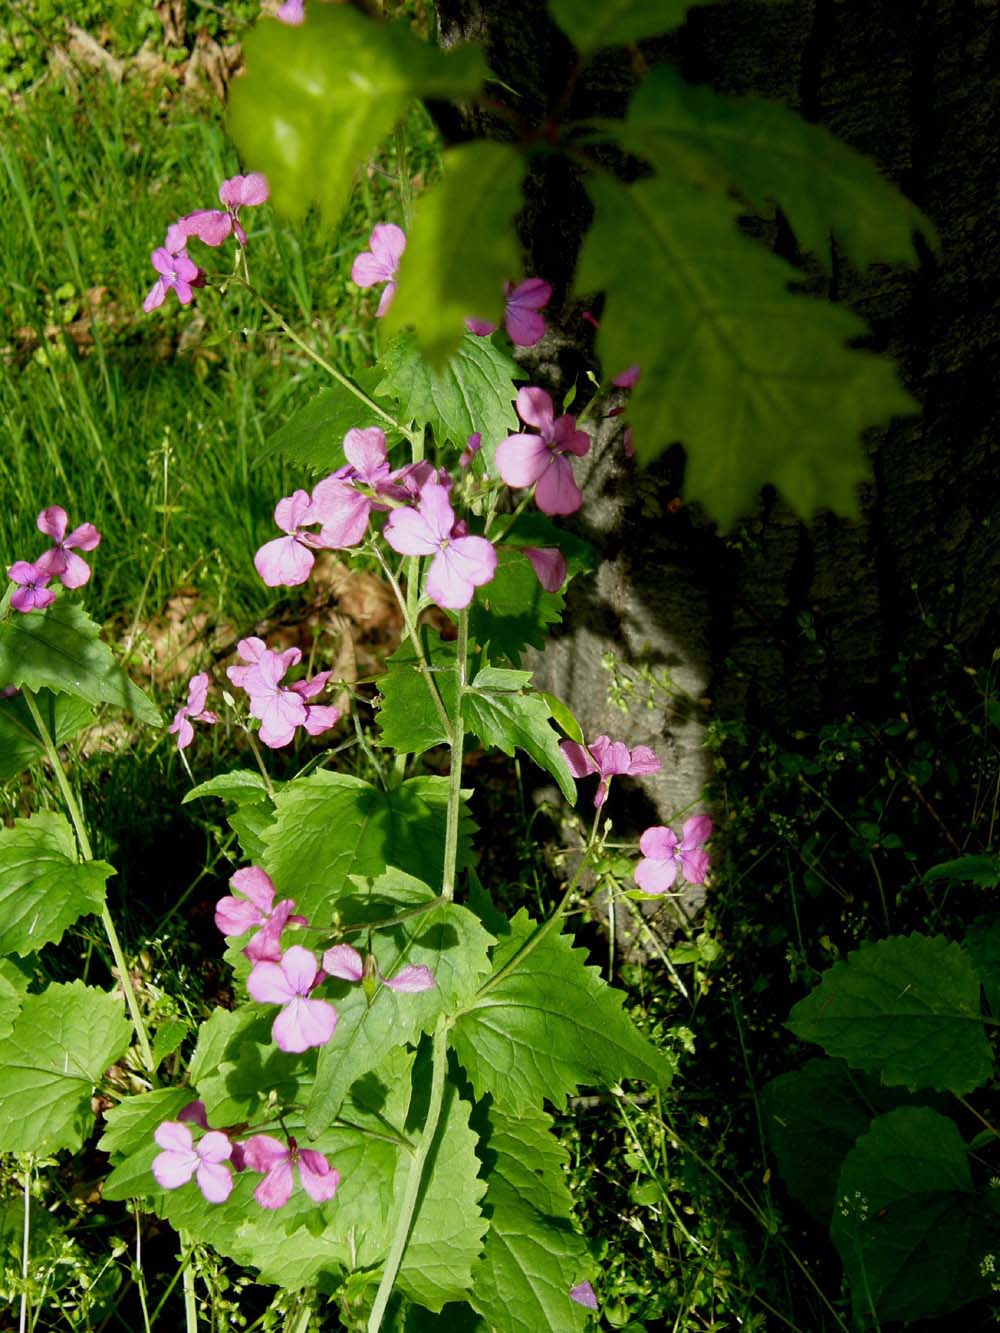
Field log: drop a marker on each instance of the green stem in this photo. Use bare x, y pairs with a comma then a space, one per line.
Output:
190, 1301
455, 773
511, 518
408, 1206
76, 818
25, 1246
414, 637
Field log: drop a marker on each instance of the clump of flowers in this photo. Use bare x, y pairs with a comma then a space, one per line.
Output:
60, 561
461, 563
542, 460
609, 759
193, 711
255, 906
281, 709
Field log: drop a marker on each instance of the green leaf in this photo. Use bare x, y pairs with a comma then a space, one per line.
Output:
62, 1042
513, 611
314, 436
43, 887
13, 986
330, 826
533, 1255
243, 786
169, 1036
591, 24
20, 744
982, 943
496, 710
462, 247
317, 100
906, 1008
448, 939
562, 717
549, 1025
250, 822
983, 871
754, 380
769, 153
60, 649
813, 1117
473, 392
130, 1126
909, 1227
408, 719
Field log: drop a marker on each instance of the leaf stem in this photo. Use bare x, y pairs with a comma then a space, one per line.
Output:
408, 1206
76, 818
455, 773
190, 1299
414, 637
25, 1246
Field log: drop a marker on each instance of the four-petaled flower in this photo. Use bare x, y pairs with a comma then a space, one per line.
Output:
608, 758
178, 272
181, 1160
344, 962
524, 325
289, 560
256, 907
59, 561
281, 709
243, 192
523, 460
460, 565
319, 1179
193, 711
665, 855
380, 261
302, 1022
33, 593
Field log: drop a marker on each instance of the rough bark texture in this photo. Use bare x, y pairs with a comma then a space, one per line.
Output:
790, 623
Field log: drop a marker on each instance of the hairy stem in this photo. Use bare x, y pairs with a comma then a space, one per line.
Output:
76, 818
455, 773
408, 1205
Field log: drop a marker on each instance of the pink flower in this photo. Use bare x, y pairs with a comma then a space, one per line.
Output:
33, 594
59, 560
380, 261
193, 711
344, 961
583, 1293
281, 709
181, 1160
302, 1022
524, 325
209, 225
665, 854
288, 560
292, 12
460, 565
256, 907
523, 460
176, 271
243, 192
609, 759
473, 446
549, 564
319, 1179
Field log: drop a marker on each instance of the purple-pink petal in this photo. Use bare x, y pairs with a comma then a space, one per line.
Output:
694, 865
522, 459
659, 842
411, 980
534, 407
304, 1023
643, 760
320, 718
557, 491
256, 885
366, 451
262, 1152
275, 1189
194, 1114
482, 328
655, 876
583, 1293
319, 1179
696, 830
181, 728
214, 1180
344, 962
235, 916
249, 190
627, 378
53, 522
209, 225
578, 757
409, 533
524, 327
265, 945
214, 1147
284, 562
268, 984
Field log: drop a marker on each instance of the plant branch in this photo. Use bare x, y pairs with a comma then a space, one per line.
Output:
414, 637
455, 773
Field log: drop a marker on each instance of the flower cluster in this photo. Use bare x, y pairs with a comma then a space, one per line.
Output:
609, 759
212, 226
281, 709
58, 562
541, 460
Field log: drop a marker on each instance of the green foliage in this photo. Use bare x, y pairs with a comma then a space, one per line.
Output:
983, 871
545, 1023
982, 944
755, 381
20, 745
513, 611
533, 1255
317, 100
130, 1125
769, 153
44, 888
408, 719
618, 22
462, 248
906, 1008
473, 392
13, 984
62, 1042
314, 436
497, 709
241, 786
909, 1226
60, 649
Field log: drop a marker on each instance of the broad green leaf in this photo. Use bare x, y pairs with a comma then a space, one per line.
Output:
243, 787
61, 649
769, 153
131, 1124
44, 888
982, 943
549, 1024
169, 1035
20, 744
13, 987
983, 871
62, 1042
813, 1117
591, 24
317, 100
474, 392
533, 1255
314, 436
408, 719
448, 939
250, 822
907, 1222
755, 381
906, 1008
462, 247
562, 717
499, 713
513, 611
330, 826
